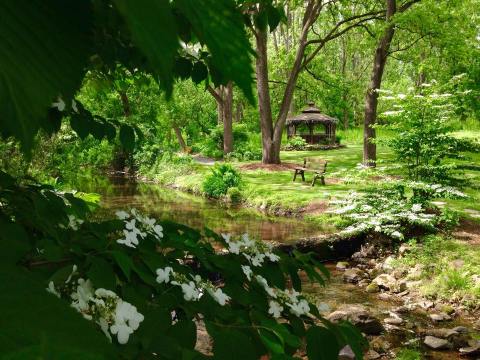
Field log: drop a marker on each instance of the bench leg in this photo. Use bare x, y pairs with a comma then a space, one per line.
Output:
323, 180
313, 181
303, 175
295, 175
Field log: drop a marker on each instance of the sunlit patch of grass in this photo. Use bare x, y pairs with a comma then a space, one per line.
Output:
409, 354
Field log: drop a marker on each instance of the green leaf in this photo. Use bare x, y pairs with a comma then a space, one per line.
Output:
154, 31
220, 26
321, 344
183, 68
272, 341
101, 274
275, 15
124, 262
127, 137
199, 72
36, 65
80, 124
38, 325
231, 344
185, 332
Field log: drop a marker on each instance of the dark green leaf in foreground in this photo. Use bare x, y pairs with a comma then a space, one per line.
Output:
218, 25
153, 29
40, 59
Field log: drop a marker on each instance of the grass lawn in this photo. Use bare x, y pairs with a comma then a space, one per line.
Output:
276, 191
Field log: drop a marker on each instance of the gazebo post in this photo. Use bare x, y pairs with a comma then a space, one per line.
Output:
310, 127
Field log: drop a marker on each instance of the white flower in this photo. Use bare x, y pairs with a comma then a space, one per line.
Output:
60, 104
226, 237
190, 291
219, 296
234, 247
273, 257
82, 295
122, 331
275, 309
74, 271
122, 215
247, 271
299, 308
163, 275
126, 320
149, 221
397, 234
73, 222
247, 241
402, 96
257, 260
130, 239
417, 207
74, 106
104, 293
51, 289
158, 229
262, 281
104, 327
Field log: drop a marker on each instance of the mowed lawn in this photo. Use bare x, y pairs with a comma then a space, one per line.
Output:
276, 189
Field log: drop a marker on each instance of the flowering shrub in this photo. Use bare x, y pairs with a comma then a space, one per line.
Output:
423, 137
147, 286
391, 213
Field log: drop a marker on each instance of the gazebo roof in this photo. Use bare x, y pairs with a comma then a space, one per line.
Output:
311, 115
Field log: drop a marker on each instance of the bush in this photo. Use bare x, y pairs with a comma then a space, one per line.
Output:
296, 143
222, 178
243, 150
423, 139
234, 195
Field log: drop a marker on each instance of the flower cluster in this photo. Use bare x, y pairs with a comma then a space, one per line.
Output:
283, 299
193, 288
137, 226
382, 214
436, 190
254, 251
114, 315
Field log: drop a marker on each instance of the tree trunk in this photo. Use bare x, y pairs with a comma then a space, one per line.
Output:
371, 98
228, 118
181, 141
122, 157
269, 155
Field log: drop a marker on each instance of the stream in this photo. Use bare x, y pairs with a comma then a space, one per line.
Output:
167, 204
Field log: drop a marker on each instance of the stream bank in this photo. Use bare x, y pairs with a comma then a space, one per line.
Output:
394, 317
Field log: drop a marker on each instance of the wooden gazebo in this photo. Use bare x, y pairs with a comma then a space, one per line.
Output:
310, 117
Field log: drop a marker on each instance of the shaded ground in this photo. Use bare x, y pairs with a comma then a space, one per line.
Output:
468, 231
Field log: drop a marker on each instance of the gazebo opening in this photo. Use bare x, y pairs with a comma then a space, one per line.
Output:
306, 126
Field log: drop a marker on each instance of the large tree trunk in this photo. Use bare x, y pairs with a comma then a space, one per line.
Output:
181, 141
223, 95
269, 155
371, 98
228, 118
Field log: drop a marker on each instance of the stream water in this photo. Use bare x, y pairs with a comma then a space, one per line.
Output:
167, 204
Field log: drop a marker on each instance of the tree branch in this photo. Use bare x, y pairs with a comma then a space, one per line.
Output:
217, 97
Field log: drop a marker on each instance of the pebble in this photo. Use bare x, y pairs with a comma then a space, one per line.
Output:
346, 353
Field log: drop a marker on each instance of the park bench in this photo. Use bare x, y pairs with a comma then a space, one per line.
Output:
317, 166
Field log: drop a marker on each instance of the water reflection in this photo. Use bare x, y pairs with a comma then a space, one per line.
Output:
196, 212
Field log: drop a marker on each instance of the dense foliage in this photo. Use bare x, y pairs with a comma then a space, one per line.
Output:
421, 121
147, 286
222, 178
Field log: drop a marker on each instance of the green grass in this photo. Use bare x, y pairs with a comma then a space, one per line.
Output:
451, 275
276, 190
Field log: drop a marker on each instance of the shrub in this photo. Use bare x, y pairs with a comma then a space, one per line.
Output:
234, 195
243, 149
223, 177
296, 143
390, 212
423, 139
